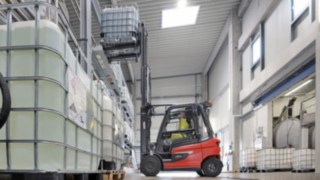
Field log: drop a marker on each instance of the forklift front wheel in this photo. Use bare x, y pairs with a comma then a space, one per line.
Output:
150, 165
212, 167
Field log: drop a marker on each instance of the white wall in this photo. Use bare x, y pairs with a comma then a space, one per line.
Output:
184, 85
218, 76
280, 51
218, 81
220, 112
252, 14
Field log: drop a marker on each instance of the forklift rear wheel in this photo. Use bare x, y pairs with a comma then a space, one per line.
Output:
200, 173
212, 167
150, 165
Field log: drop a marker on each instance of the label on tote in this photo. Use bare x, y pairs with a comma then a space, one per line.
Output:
77, 100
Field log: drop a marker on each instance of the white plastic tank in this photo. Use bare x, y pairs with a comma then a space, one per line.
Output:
51, 97
287, 134
51, 35
23, 33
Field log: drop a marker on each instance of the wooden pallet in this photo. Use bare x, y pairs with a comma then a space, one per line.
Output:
113, 175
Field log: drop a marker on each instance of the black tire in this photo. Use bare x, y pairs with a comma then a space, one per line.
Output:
150, 165
200, 173
212, 167
6, 101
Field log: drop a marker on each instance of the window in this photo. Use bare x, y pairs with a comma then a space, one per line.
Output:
257, 52
299, 12
179, 120
298, 7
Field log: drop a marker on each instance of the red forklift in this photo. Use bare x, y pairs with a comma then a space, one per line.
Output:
190, 147
184, 143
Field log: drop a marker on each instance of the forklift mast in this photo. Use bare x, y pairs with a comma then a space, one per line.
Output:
146, 107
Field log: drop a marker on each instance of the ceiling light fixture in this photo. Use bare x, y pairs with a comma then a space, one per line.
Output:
298, 88
181, 16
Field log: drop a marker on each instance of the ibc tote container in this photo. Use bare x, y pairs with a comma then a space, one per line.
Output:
55, 122
248, 158
303, 159
112, 131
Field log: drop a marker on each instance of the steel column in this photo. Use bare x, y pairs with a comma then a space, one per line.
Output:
85, 33
145, 96
234, 87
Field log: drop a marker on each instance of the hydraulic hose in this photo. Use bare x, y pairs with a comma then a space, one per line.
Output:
6, 101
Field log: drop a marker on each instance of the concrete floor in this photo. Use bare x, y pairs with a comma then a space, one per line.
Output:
227, 176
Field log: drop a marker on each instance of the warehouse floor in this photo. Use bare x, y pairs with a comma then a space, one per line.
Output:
244, 176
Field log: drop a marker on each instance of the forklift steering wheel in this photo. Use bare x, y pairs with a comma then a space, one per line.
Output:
6, 101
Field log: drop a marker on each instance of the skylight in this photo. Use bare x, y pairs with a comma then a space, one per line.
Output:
180, 16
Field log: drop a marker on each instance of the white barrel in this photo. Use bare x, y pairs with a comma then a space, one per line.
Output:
287, 134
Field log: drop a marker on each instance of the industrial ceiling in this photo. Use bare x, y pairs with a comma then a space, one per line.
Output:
185, 49
172, 51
